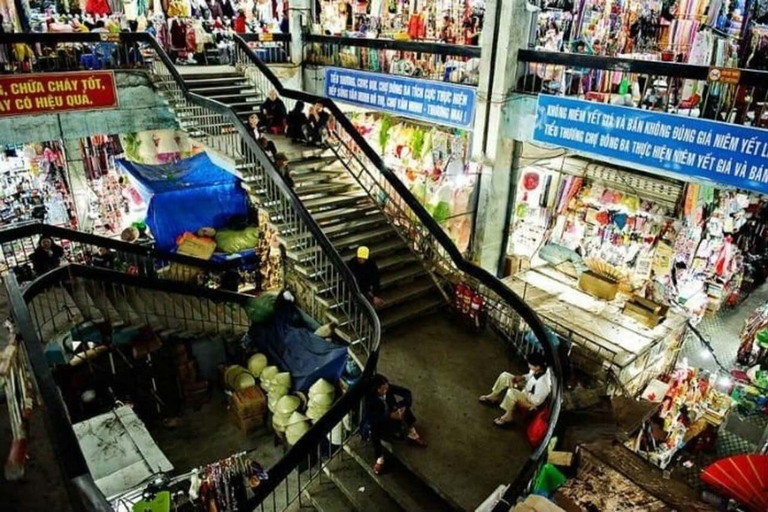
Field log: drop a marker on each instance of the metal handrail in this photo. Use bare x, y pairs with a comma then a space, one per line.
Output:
456, 50
747, 77
440, 237
28, 229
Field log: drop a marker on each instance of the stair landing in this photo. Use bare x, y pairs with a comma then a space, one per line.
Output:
447, 368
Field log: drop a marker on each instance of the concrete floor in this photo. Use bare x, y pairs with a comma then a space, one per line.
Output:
208, 435
447, 368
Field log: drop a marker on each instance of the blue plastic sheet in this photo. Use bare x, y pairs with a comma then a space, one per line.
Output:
289, 343
185, 196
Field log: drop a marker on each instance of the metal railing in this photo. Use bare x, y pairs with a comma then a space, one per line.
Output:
271, 48
35, 307
683, 89
433, 61
508, 314
219, 127
19, 241
51, 52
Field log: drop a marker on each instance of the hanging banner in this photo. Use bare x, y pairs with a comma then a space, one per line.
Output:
43, 93
725, 153
427, 100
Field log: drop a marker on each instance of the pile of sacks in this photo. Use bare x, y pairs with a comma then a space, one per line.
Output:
287, 417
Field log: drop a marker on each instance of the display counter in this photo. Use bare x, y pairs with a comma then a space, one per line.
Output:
605, 341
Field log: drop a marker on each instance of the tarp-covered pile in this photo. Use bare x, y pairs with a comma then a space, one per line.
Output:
186, 195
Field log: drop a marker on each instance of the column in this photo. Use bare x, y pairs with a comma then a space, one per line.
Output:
506, 29
78, 183
300, 16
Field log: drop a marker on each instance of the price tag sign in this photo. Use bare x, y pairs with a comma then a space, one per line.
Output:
729, 76
266, 37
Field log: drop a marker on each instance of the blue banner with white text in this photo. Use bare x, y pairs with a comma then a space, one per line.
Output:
426, 100
726, 153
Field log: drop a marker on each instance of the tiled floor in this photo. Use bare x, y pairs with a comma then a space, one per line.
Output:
741, 433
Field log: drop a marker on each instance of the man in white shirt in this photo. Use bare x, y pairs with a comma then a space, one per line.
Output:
535, 390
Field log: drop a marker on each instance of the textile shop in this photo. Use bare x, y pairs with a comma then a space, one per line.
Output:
433, 162
446, 21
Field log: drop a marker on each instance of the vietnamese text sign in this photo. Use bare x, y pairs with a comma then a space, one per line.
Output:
437, 102
41, 93
730, 154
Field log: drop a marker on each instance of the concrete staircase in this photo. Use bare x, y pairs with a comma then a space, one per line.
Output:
344, 211
348, 484
60, 308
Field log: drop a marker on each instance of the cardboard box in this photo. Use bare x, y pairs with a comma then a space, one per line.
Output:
598, 286
248, 424
249, 402
645, 312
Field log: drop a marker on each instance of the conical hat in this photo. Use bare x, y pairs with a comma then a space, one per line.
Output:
287, 404
324, 400
322, 386
256, 364
296, 417
294, 432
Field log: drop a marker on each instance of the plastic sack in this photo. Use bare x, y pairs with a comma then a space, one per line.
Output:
262, 308
537, 428
231, 241
548, 480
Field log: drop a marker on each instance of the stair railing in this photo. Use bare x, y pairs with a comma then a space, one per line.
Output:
507, 312
219, 127
18, 243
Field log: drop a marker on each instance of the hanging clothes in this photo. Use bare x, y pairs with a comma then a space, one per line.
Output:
178, 35
100, 7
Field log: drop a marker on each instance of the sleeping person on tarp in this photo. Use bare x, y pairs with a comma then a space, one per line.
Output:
288, 340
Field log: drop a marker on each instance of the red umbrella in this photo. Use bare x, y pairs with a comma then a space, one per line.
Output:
741, 477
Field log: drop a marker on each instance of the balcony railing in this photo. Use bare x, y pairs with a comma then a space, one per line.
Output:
433, 61
670, 87
35, 52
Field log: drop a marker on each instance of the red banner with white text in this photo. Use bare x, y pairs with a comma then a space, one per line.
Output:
42, 93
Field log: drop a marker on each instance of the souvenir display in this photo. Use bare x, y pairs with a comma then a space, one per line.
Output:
445, 21
433, 162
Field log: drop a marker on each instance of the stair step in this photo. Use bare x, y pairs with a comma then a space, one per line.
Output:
407, 490
377, 250
355, 240
326, 497
214, 82
396, 260
359, 488
318, 176
408, 310
395, 277
311, 163
222, 89
246, 106
336, 215
341, 199
410, 291
231, 99
322, 188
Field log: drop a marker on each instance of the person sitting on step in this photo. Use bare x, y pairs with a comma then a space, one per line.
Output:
536, 387
366, 274
297, 123
389, 415
317, 124
272, 114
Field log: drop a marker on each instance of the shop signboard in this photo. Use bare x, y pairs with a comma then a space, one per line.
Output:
427, 100
43, 93
697, 148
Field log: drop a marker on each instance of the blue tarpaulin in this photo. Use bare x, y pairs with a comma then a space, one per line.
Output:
186, 195
288, 342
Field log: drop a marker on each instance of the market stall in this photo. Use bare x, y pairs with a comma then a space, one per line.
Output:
35, 185
689, 246
433, 162
447, 21
614, 350
689, 405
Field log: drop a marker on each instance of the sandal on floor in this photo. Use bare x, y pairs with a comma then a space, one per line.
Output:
378, 468
418, 441
485, 400
501, 423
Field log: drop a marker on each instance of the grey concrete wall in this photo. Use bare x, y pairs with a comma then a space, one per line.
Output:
140, 108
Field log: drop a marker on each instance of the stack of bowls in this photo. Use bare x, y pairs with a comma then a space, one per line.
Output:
321, 396
283, 410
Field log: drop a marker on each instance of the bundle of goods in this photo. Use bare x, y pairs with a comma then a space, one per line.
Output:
321, 396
